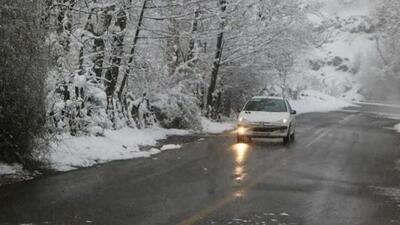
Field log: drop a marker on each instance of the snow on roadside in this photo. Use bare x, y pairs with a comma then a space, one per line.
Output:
314, 101
74, 152
170, 146
397, 127
6, 169
212, 127
10, 173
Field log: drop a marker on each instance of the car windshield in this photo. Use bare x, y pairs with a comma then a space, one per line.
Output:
266, 105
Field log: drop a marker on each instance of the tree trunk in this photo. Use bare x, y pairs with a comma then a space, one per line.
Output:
173, 46
98, 47
378, 47
88, 27
217, 60
194, 30
117, 54
98, 31
131, 57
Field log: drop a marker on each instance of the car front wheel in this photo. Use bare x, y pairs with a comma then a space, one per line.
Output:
289, 137
286, 140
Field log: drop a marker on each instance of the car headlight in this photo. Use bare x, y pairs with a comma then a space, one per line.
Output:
285, 121
241, 130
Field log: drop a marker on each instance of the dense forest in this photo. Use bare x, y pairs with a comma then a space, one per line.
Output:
82, 66
137, 63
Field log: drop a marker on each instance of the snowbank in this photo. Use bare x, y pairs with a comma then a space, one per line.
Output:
74, 152
170, 146
397, 127
314, 101
6, 169
215, 127
10, 173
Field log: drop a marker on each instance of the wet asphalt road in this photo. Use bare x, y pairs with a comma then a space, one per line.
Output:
340, 170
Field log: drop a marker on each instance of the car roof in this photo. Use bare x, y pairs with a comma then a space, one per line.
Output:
268, 97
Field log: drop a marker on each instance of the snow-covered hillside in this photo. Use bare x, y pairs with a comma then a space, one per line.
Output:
348, 35
348, 8
314, 101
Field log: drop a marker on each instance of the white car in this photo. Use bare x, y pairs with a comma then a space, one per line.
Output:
266, 117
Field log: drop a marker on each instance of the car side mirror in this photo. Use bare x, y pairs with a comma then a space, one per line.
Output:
293, 112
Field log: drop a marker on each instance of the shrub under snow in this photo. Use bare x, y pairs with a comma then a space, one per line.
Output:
175, 109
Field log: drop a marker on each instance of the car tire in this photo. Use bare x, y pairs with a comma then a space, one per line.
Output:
293, 137
287, 139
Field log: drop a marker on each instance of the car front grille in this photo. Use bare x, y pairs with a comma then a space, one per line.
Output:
268, 129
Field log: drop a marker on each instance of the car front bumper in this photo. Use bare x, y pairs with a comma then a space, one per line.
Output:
263, 131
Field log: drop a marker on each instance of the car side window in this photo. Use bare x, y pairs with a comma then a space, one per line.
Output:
289, 107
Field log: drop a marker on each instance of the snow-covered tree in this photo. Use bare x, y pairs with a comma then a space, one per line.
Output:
179, 56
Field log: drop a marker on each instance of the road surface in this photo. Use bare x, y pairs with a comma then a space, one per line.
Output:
340, 170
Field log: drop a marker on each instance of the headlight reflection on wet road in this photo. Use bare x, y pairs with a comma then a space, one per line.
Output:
239, 170
240, 153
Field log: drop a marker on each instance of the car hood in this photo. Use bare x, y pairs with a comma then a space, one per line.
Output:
269, 117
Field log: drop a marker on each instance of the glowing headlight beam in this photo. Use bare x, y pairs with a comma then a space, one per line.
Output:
240, 152
241, 130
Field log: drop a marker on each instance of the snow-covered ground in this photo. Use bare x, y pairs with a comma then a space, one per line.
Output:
212, 127
314, 101
6, 169
170, 146
74, 152
13, 173
397, 127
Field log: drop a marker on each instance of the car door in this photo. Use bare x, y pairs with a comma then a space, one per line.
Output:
292, 115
